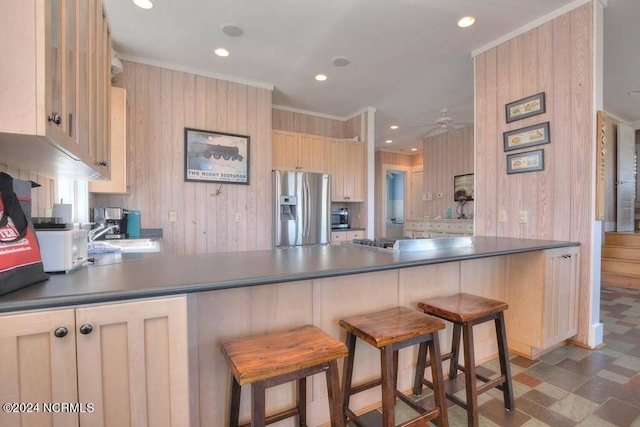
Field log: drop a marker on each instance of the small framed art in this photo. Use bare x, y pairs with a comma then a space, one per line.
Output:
529, 161
526, 137
525, 107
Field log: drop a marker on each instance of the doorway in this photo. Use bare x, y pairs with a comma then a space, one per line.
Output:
396, 200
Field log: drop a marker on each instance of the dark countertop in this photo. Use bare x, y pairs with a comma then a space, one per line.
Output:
145, 275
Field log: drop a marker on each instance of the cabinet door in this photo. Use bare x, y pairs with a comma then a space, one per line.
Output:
118, 136
336, 163
561, 291
356, 234
355, 172
285, 150
337, 237
311, 153
133, 364
38, 366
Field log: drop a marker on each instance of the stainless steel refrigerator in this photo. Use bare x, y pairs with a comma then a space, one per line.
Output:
302, 214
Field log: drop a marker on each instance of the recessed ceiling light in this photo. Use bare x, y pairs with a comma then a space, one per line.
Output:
232, 30
321, 77
634, 92
144, 4
221, 52
414, 149
341, 61
467, 21
393, 127
388, 141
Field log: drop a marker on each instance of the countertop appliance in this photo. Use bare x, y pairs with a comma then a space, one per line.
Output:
302, 203
340, 219
62, 250
114, 219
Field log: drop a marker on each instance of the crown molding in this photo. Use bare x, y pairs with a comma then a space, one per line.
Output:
533, 24
176, 67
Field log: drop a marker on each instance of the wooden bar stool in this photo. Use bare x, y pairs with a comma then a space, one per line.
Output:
466, 311
390, 331
272, 359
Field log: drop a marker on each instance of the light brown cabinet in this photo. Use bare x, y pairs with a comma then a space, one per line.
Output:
337, 237
118, 135
543, 309
298, 151
128, 360
347, 166
434, 228
55, 79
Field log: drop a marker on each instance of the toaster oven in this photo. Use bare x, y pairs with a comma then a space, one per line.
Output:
62, 250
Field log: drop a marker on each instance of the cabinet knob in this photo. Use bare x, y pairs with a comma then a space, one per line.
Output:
55, 118
61, 332
86, 329
103, 163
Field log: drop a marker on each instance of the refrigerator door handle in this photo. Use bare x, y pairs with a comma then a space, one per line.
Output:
308, 207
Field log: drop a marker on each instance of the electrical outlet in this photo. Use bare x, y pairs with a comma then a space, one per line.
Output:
427, 197
502, 215
238, 217
439, 195
173, 216
522, 217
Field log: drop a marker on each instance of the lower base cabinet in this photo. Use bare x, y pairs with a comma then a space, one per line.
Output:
115, 364
337, 237
543, 310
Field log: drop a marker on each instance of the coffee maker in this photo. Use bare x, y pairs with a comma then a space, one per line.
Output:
114, 220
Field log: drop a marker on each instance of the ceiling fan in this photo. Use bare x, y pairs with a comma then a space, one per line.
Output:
444, 124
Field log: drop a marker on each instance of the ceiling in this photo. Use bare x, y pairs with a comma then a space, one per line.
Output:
408, 57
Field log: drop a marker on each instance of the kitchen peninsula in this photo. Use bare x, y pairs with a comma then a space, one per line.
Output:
164, 318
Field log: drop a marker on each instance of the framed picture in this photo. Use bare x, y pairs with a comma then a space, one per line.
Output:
463, 187
530, 161
526, 107
216, 157
526, 137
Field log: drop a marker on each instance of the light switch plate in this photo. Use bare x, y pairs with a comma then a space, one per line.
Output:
502, 215
427, 197
173, 216
522, 217
238, 217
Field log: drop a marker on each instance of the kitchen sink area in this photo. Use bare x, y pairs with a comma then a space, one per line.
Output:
136, 245
104, 252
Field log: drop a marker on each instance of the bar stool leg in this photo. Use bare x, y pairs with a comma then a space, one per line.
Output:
258, 404
455, 352
505, 367
347, 371
388, 387
470, 375
302, 402
234, 413
420, 367
438, 379
333, 390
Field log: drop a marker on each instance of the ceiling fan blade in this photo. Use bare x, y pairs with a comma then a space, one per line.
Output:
431, 132
453, 131
421, 126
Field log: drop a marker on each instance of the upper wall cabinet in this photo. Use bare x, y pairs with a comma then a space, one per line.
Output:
347, 169
298, 151
118, 133
55, 85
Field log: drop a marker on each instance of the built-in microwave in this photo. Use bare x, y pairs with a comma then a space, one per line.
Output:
340, 219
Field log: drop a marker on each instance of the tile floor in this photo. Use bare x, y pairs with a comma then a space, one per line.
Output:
570, 386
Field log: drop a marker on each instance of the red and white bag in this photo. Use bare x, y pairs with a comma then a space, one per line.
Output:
20, 258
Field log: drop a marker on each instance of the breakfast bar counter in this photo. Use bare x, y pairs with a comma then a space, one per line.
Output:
146, 275
123, 335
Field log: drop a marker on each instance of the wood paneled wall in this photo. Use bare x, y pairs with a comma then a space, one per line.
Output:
556, 58
445, 156
161, 103
314, 125
42, 197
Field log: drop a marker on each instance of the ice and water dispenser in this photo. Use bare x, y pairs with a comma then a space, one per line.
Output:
288, 208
